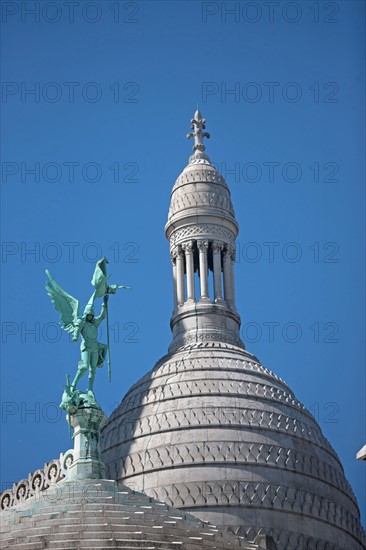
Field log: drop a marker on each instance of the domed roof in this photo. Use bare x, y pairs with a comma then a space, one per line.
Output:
100, 514
200, 189
212, 431
209, 429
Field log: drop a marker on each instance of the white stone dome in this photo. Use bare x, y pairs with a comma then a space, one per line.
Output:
200, 189
211, 431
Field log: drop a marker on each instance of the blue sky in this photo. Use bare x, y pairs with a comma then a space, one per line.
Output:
104, 133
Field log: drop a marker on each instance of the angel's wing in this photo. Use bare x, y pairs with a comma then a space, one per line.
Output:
64, 303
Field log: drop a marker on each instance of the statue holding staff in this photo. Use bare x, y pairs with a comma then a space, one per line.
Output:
86, 325
92, 352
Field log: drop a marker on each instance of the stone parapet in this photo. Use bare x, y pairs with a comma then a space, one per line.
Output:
53, 472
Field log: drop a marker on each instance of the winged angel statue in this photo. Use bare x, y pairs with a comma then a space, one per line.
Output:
85, 325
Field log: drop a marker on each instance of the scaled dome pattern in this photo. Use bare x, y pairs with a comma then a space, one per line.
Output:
211, 431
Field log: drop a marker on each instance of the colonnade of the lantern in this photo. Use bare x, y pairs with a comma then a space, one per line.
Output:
222, 260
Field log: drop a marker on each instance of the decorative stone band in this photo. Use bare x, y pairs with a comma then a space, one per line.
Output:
288, 540
194, 199
234, 453
253, 494
38, 481
190, 388
236, 388
221, 363
204, 338
211, 231
200, 175
215, 417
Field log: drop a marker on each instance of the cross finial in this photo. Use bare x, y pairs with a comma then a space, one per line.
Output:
198, 124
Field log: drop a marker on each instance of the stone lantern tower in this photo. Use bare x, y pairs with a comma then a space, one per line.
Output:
209, 429
202, 229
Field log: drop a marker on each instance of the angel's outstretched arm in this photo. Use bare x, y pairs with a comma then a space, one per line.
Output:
102, 315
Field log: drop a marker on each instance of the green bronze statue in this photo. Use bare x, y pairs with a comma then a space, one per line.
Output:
92, 352
85, 325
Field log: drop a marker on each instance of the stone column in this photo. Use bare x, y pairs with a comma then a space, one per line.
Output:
180, 276
174, 265
232, 283
217, 247
202, 247
87, 463
228, 279
188, 249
